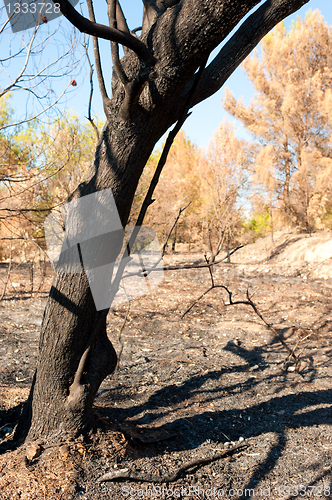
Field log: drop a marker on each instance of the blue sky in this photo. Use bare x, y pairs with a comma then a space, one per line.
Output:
207, 116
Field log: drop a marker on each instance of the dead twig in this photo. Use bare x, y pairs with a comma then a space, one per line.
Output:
181, 210
248, 302
89, 117
269, 325
299, 341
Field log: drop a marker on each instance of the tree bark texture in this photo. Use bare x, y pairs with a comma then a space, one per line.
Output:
180, 39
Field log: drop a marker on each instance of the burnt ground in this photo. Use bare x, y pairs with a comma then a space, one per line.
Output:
184, 388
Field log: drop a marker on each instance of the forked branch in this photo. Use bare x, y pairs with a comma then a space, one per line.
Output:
244, 40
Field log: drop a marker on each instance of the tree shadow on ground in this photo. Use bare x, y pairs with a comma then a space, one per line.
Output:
281, 248
279, 414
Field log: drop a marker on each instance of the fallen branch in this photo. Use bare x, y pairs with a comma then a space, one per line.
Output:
129, 475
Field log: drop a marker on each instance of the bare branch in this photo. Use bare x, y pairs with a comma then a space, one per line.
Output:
96, 53
247, 302
181, 210
269, 325
19, 210
114, 45
32, 74
38, 246
200, 297
121, 20
89, 117
186, 266
169, 141
210, 271
25, 120
106, 32
77, 385
34, 184
121, 23
27, 57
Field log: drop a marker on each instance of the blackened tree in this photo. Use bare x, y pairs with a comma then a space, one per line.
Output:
150, 88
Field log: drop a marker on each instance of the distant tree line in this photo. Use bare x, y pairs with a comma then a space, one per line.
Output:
233, 191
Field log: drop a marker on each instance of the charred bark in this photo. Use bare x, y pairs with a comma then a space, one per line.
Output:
55, 406
172, 46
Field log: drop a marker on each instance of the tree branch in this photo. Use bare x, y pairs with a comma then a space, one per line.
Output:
30, 119
249, 34
27, 58
120, 19
247, 302
96, 54
111, 11
173, 226
106, 32
89, 117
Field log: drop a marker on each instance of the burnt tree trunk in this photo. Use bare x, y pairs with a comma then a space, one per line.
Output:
180, 35
70, 314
